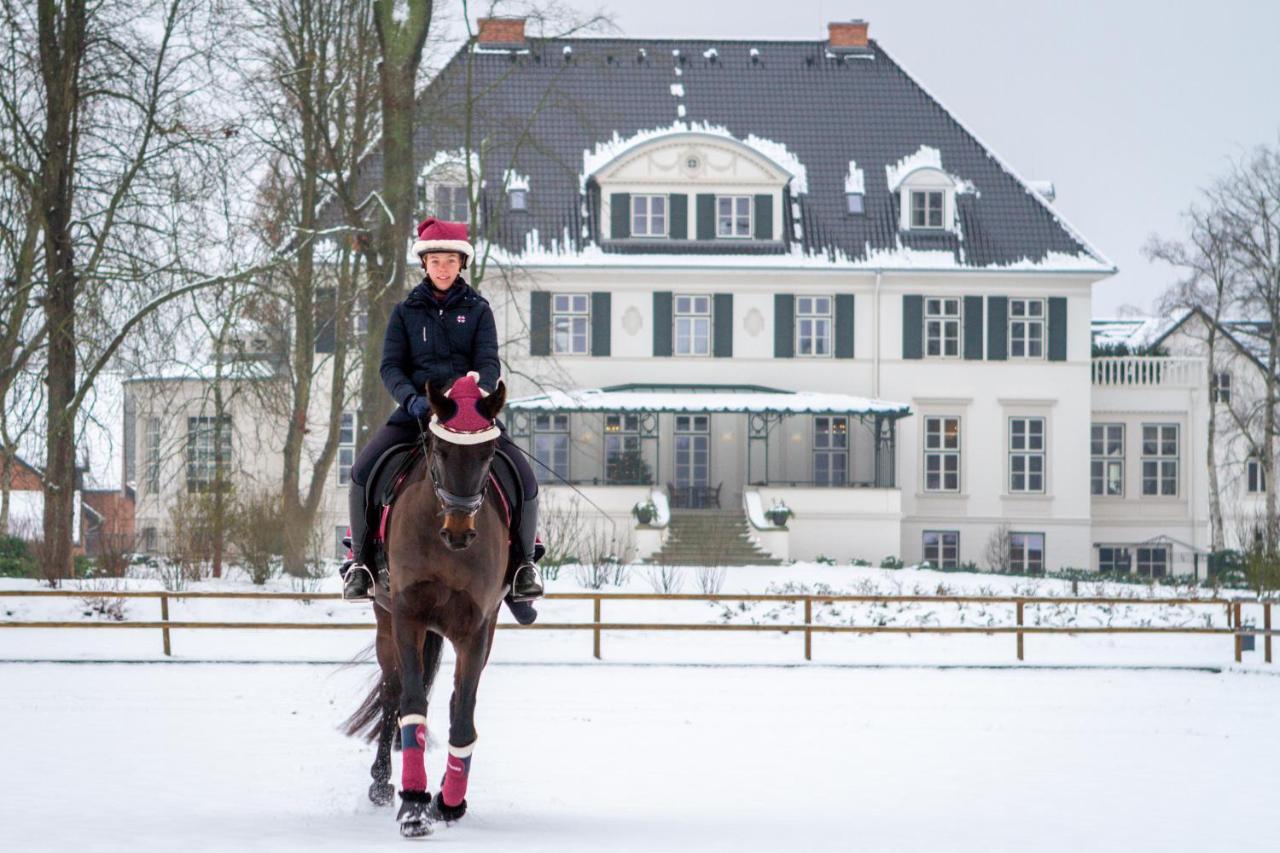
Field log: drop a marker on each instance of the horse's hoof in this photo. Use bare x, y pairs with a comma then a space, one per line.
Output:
449, 814
415, 814
382, 793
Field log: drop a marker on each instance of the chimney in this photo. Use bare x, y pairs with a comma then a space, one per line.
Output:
847, 36
501, 33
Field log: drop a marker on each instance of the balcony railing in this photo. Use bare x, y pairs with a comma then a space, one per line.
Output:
1148, 372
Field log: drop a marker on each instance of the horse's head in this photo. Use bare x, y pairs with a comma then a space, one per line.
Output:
464, 437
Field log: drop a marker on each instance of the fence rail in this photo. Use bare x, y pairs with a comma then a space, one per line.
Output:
597, 626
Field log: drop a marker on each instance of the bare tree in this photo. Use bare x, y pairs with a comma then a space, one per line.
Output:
118, 153
998, 552
315, 91
1209, 286
1246, 203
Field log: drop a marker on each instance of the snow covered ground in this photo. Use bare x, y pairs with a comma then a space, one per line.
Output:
219, 757
676, 741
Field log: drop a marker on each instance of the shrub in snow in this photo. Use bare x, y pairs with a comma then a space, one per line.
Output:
824, 560
891, 563
860, 563
15, 560
258, 535
710, 579
664, 579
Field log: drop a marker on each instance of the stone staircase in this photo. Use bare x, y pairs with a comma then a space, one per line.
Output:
710, 537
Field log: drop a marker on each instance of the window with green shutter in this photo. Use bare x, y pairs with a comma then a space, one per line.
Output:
784, 312
844, 325
662, 323
764, 217
679, 216
539, 323
722, 325
973, 328
620, 215
600, 323
1057, 328
912, 326
706, 216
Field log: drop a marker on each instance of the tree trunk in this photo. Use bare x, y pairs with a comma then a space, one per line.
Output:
401, 43
1211, 455
61, 46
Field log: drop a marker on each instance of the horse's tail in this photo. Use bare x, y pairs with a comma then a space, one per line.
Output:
384, 696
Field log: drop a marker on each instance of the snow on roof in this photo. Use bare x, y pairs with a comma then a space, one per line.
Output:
562, 252
513, 180
239, 369
854, 182
606, 152
1136, 333
748, 399
925, 157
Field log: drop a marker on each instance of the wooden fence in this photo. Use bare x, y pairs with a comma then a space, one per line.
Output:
597, 626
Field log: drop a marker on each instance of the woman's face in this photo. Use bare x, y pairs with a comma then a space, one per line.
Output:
442, 268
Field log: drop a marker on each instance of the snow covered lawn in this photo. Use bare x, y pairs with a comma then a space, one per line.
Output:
160, 757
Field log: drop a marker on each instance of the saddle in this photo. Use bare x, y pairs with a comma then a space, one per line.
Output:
388, 477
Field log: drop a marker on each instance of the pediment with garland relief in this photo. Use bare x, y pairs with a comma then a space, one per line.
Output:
692, 158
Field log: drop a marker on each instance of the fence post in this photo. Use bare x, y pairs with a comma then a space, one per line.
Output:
164, 617
1239, 639
1229, 625
808, 629
1019, 633
596, 632
1266, 625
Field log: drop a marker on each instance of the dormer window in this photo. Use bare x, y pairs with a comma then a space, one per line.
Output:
926, 208
518, 200
926, 192
648, 216
451, 203
854, 204
687, 188
733, 216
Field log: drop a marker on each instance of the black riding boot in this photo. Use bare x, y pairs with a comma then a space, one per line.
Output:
357, 579
526, 585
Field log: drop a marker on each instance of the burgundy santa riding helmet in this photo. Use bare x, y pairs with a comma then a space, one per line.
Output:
437, 235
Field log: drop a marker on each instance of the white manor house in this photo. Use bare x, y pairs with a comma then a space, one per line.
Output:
748, 274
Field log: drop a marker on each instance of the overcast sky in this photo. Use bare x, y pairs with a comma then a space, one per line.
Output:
1128, 106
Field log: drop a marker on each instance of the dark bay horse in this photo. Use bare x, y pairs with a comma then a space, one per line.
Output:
448, 553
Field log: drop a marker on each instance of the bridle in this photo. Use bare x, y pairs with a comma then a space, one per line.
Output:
468, 505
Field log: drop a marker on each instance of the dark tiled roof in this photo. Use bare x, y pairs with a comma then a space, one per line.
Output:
549, 105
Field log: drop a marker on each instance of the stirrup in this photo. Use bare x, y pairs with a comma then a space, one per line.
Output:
357, 580
526, 584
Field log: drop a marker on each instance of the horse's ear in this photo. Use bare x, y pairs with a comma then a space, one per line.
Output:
490, 406
442, 406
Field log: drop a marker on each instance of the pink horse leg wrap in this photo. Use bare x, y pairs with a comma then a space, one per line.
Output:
413, 747
454, 786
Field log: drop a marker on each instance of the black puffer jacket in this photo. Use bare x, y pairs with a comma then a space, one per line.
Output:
430, 340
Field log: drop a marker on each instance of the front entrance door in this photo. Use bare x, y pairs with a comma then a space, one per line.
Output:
693, 462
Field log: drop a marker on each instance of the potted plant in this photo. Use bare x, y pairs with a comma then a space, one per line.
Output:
779, 513
644, 511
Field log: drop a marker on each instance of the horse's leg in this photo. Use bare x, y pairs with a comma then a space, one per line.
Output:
451, 803
381, 792
413, 817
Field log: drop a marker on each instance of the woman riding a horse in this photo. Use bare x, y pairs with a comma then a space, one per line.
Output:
442, 331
